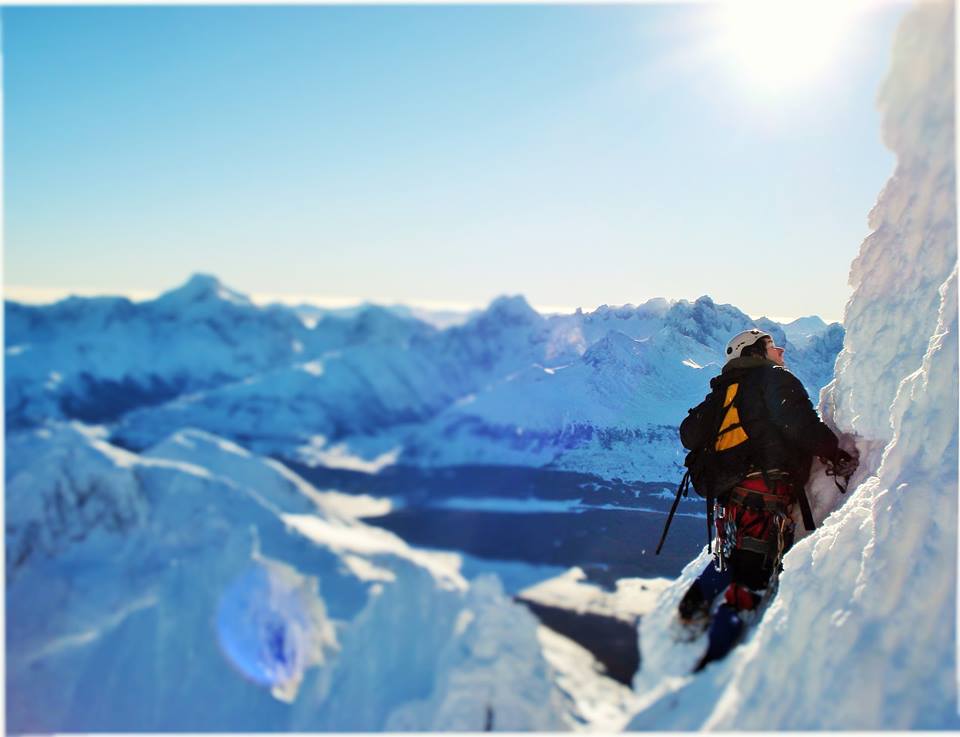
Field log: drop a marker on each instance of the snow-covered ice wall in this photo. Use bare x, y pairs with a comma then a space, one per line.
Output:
862, 634
912, 248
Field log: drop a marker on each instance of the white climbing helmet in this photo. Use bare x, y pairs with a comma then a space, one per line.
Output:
741, 340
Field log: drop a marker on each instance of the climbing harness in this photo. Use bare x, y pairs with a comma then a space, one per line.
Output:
726, 536
754, 521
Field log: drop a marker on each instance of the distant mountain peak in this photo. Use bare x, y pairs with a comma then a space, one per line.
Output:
705, 321
202, 288
623, 312
512, 310
805, 329
373, 319
809, 325
655, 307
615, 347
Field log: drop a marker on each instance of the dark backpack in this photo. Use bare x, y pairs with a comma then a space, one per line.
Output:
721, 459
724, 456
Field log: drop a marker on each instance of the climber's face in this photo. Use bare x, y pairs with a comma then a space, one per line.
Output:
774, 353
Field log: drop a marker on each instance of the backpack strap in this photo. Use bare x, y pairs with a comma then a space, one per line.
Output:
710, 500
722, 409
804, 506
708, 448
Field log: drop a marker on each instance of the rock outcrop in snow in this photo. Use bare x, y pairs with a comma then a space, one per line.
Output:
862, 634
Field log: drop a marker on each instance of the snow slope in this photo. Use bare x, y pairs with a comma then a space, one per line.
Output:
862, 634
631, 597
197, 587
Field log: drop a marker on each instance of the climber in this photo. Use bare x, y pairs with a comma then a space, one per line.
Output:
758, 433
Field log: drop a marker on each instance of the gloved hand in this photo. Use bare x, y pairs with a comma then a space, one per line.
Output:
844, 464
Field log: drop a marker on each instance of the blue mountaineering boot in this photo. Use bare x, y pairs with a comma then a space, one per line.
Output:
693, 612
725, 630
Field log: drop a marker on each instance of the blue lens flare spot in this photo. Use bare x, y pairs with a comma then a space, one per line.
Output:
260, 627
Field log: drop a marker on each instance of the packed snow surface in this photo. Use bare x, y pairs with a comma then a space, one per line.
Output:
631, 598
199, 587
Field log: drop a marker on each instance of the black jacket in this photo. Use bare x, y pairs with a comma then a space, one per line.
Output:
784, 430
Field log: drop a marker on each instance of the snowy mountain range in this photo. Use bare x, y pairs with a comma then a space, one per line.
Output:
94, 359
439, 318
189, 580
600, 392
149, 513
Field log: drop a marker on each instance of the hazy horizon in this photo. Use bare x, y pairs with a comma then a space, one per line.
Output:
45, 297
444, 155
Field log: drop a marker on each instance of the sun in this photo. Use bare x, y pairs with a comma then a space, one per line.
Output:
778, 47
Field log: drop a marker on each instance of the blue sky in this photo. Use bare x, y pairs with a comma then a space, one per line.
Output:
577, 155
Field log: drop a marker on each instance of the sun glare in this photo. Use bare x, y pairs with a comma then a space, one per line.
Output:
778, 47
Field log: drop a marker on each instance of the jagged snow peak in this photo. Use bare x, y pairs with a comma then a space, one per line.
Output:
803, 329
861, 634
511, 310
200, 288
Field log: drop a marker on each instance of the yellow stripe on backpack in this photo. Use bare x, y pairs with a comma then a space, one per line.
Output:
731, 433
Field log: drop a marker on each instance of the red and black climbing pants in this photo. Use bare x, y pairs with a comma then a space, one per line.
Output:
754, 530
